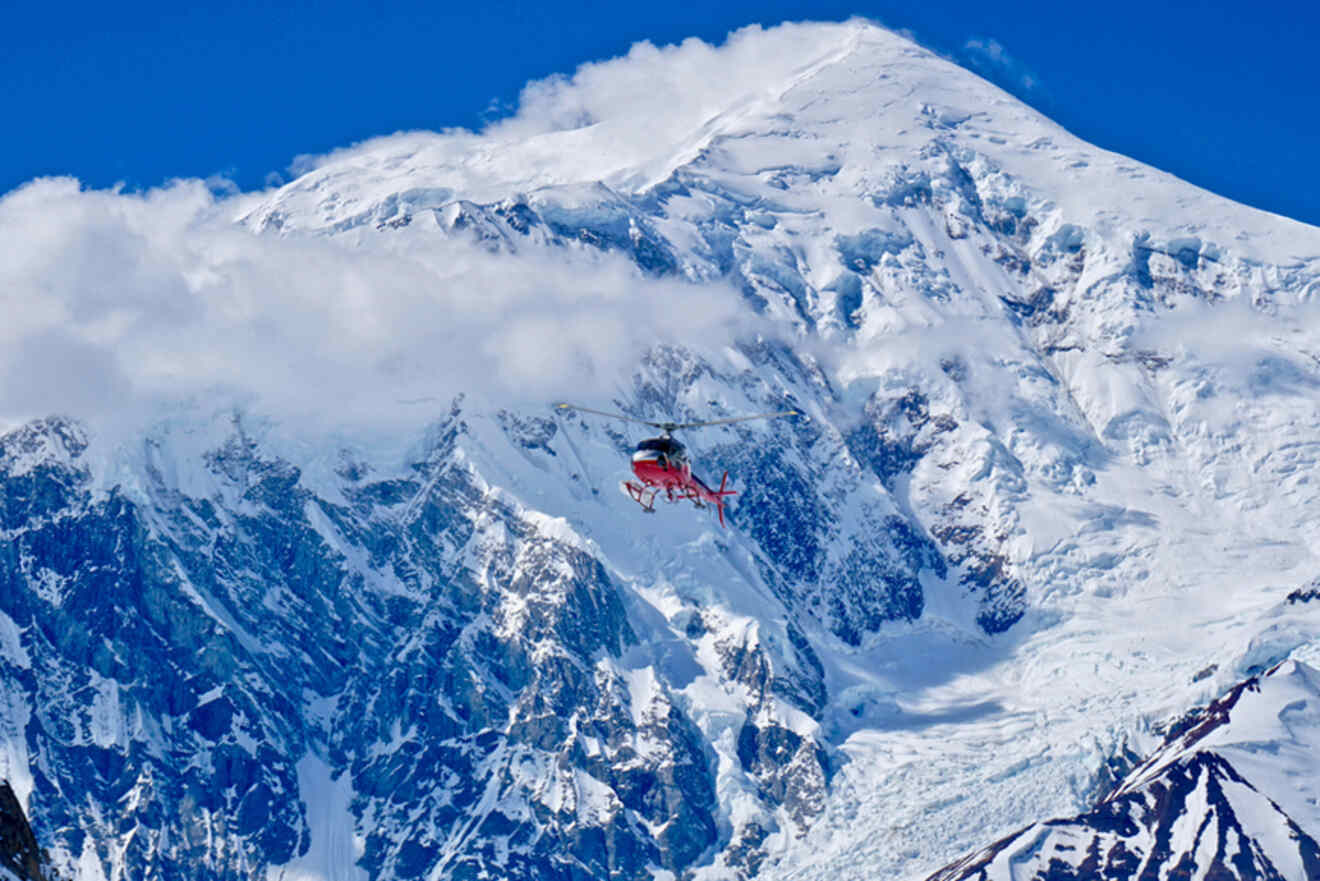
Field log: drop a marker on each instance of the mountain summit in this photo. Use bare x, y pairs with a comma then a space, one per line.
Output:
341, 596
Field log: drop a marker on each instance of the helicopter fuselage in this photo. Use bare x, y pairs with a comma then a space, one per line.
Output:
662, 462
661, 465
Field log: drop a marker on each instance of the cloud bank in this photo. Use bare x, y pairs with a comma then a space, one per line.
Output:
119, 304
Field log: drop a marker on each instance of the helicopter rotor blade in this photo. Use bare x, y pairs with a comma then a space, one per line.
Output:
733, 419
565, 406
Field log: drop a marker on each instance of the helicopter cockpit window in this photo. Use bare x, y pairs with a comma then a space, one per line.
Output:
667, 447
659, 445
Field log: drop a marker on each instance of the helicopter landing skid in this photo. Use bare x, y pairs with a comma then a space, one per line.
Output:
642, 495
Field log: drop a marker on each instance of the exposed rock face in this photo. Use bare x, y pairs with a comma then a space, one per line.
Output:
20, 856
197, 651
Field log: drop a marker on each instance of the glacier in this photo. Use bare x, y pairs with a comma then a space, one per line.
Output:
394, 619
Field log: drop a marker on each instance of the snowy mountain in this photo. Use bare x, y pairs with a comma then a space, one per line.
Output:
1213, 802
332, 592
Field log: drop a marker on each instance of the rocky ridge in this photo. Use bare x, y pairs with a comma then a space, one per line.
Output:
1187, 811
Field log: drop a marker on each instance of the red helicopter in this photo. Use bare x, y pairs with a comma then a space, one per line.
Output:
661, 464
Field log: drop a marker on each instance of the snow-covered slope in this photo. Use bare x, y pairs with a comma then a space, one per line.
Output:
1055, 488
1217, 800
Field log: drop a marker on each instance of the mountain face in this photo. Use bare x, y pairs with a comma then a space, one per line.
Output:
1055, 486
1203, 806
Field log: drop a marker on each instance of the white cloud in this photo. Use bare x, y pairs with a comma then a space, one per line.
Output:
646, 105
118, 303
990, 57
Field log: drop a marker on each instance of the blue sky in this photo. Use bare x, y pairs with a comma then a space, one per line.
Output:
1222, 94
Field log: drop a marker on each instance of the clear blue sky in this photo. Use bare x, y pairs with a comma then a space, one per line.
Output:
1223, 94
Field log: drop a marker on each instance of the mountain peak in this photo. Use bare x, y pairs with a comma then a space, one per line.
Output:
853, 99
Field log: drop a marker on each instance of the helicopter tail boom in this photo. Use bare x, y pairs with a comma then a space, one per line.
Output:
716, 496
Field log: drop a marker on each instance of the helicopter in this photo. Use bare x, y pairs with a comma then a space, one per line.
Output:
661, 464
